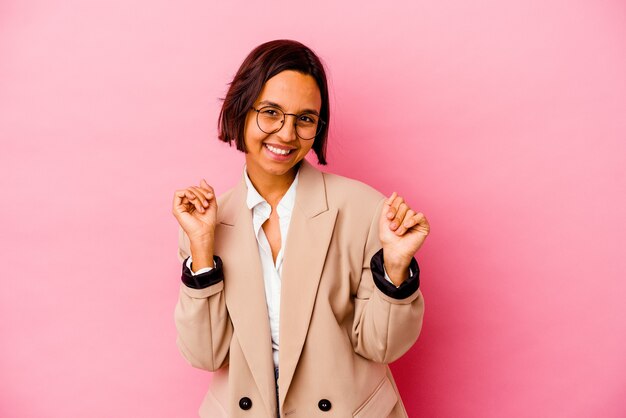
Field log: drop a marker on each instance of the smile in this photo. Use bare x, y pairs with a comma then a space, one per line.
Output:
278, 151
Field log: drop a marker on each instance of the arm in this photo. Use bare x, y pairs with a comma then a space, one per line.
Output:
388, 319
201, 317
202, 321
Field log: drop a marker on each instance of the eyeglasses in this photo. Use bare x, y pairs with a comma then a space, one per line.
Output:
271, 119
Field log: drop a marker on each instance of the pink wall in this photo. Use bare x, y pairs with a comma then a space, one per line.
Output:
503, 121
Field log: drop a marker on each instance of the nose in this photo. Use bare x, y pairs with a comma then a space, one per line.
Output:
288, 131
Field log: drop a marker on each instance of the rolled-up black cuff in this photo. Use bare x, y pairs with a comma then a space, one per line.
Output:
203, 280
406, 289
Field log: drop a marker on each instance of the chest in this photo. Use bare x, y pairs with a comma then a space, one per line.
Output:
271, 228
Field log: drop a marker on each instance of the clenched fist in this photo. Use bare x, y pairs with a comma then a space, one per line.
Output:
195, 209
402, 232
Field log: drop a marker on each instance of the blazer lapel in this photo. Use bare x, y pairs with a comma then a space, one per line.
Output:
245, 292
310, 230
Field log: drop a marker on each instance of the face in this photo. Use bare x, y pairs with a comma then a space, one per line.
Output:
295, 93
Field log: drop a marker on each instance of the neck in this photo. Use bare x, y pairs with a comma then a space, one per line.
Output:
271, 187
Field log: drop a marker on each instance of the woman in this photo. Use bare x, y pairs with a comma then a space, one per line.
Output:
294, 272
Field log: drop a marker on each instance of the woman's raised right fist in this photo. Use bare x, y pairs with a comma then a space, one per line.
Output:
195, 209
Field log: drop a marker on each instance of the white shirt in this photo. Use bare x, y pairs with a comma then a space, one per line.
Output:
271, 271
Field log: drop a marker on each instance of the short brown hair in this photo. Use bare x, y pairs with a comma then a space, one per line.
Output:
263, 63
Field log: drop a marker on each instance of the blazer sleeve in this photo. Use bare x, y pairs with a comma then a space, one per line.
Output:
386, 324
202, 321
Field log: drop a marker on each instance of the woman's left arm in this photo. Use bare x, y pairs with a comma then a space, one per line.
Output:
388, 317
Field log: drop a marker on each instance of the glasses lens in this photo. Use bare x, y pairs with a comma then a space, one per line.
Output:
306, 126
270, 119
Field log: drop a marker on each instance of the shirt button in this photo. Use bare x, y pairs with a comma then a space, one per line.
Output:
324, 405
245, 403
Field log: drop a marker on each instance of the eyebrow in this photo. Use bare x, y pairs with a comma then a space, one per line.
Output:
268, 103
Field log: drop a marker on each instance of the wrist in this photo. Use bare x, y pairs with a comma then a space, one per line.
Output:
397, 274
201, 256
396, 263
397, 269
204, 240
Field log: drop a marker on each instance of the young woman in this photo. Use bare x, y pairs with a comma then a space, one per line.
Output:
298, 286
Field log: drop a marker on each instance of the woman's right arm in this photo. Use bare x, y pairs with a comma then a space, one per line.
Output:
202, 320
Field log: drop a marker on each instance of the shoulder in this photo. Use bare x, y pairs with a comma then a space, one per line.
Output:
345, 192
358, 208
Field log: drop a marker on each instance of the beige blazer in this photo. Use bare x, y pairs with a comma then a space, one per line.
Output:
338, 331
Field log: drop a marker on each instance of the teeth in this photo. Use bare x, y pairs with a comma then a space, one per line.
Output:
277, 150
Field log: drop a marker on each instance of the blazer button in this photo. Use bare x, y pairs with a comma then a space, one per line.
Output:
245, 403
324, 405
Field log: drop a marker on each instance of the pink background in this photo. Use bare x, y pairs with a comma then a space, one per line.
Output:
503, 121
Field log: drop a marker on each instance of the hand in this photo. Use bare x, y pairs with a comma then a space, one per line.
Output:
195, 209
402, 232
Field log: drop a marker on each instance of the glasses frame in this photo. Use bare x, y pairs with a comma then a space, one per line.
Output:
320, 122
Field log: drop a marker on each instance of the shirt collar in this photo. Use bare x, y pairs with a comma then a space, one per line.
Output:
253, 197
286, 204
